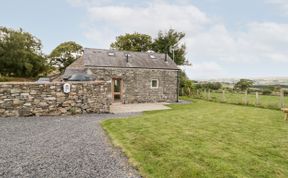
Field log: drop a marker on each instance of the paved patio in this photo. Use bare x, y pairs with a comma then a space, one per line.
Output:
140, 107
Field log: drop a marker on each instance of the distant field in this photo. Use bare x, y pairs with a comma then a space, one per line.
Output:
265, 101
205, 139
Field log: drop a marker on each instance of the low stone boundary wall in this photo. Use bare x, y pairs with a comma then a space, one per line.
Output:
38, 99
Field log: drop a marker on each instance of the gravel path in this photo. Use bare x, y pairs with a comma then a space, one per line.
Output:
60, 147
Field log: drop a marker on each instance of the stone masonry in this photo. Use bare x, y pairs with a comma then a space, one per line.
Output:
137, 83
29, 99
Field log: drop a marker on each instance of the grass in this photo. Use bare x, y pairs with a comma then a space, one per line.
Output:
205, 139
272, 102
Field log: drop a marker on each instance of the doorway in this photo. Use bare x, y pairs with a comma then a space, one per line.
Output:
117, 85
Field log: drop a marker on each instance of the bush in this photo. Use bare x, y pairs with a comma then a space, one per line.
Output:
4, 79
187, 88
16, 79
267, 92
209, 85
254, 90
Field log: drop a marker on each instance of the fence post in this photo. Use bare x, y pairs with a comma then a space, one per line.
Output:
223, 95
245, 97
182, 91
189, 92
282, 104
257, 98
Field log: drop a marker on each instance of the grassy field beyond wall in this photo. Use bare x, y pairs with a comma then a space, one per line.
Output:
265, 101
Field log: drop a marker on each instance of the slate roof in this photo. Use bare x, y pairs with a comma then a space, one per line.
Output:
74, 68
101, 58
117, 59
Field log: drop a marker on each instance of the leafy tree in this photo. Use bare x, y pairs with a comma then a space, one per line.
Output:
164, 43
187, 86
216, 86
209, 85
276, 88
65, 54
183, 77
169, 42
243, 84
133, 42
267, 92
20, 54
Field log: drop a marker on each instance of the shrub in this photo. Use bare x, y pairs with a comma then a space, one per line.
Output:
15, 79
267, 92
4, 79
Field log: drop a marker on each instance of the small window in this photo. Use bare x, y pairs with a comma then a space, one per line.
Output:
154, 83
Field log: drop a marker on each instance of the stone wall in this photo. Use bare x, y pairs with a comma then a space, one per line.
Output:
28, 99
137, 83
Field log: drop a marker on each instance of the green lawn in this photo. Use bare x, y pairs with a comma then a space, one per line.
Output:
205, 139
237, 98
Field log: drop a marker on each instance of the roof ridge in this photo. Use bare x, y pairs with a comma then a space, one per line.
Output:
109, 50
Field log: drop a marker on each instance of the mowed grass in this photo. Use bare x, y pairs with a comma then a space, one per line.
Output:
237, 98
205, 139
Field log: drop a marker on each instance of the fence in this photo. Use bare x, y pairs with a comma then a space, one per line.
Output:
253, 99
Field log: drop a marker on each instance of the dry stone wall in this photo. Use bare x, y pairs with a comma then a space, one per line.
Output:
29, 99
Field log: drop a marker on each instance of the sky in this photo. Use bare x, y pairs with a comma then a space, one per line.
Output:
224, 38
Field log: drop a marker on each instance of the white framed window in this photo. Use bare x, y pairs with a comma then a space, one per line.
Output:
154, 83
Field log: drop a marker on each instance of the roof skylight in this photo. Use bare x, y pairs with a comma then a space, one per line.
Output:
152, 56
111, 54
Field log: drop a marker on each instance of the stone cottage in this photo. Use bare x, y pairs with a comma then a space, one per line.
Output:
136, 77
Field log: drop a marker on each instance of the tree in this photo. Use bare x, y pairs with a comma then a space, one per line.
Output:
169, 42
210, 85
133, 42
183, 77
243, 84
187, 87
65, 54
20, 54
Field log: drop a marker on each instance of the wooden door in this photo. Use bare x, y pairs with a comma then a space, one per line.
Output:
117, 85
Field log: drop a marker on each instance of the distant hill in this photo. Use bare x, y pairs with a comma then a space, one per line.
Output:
258, 81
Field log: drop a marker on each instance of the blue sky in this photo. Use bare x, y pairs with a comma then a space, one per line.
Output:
224, 38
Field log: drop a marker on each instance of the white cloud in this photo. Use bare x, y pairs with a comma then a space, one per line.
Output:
204, 70
282, 4
149, 19
209, 42
260, 42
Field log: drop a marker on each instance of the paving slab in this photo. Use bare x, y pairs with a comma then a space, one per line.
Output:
139, 107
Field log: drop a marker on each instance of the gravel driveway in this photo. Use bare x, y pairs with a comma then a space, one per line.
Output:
60, 147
